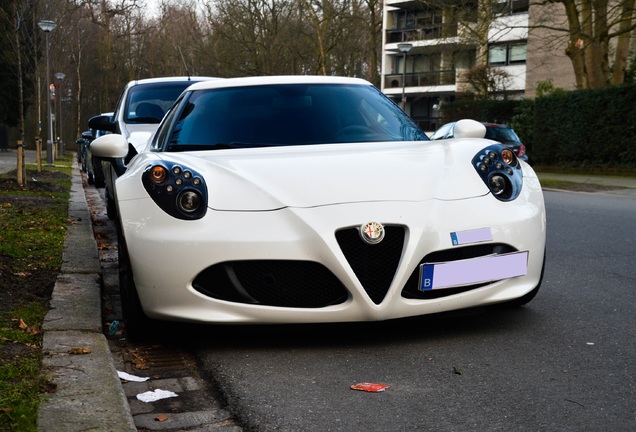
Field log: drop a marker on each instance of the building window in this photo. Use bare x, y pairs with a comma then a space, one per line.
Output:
509, 7
507, 54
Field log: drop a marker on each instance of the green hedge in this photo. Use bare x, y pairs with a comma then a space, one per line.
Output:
576, 128
492, 111
586, 127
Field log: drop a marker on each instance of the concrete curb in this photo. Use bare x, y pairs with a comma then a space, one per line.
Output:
89, 394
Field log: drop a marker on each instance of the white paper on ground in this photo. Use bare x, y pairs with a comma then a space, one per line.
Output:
153, 396
129, 377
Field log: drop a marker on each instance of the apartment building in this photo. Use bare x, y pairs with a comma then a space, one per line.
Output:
429, 46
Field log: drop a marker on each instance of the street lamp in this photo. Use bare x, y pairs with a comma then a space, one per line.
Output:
404, 48
60, 76
48, 26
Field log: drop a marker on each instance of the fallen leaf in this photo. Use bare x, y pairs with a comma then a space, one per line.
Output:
22, 324
79, 351
457, 371
161, 418
139, 362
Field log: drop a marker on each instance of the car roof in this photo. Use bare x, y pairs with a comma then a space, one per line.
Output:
169, 79
495, 125
272, 80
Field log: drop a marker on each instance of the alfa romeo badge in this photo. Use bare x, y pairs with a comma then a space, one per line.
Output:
372, 232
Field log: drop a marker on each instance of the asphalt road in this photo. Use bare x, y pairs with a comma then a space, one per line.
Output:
9, 159
565, 362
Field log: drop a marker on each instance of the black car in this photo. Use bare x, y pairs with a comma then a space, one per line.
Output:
496, 132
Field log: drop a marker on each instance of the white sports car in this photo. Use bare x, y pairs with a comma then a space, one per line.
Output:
305, 199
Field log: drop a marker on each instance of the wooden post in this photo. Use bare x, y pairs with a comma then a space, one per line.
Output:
38, 153
20, 170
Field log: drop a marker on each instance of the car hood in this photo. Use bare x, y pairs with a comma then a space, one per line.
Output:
311, 176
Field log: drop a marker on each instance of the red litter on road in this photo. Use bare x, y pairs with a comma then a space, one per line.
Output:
369, 387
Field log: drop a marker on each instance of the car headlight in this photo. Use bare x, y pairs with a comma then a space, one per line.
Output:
500, 169
179, 191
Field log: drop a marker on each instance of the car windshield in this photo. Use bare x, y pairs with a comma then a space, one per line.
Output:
502, 134
147, 103
288, 114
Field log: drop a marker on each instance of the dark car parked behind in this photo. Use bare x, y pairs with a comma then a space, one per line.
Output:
496, 132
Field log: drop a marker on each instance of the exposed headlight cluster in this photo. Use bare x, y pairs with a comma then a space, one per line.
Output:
179, 191
499, 168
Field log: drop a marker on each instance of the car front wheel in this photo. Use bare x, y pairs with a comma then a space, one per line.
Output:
98, 174
111, 207
138, 326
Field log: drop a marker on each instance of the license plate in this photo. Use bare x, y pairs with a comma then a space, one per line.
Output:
472, 271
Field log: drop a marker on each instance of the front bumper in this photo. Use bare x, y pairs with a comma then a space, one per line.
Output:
167, 255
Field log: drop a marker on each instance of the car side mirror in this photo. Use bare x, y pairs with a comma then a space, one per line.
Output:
111, 146
102, 122
469, 129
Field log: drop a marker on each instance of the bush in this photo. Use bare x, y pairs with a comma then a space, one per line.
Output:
566, 129
492, 111
586, 127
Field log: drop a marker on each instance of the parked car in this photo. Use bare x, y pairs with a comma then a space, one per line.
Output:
496, 132
316, 199
82, 147
92, 166
141, 106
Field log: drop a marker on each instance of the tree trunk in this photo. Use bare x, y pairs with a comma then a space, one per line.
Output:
78, 66
576, 45
21, 171
622, 43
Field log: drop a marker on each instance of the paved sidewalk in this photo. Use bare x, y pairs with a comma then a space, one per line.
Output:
89, 394
9, 159
624, 186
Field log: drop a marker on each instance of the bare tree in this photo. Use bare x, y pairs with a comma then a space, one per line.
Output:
487, 82
16, 45
595, 35
104, 14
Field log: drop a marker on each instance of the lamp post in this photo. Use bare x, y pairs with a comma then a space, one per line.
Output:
60, 76
48, 26
404, 48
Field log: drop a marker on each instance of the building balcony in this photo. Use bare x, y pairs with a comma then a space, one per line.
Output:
403, 4
420, 79
434, 31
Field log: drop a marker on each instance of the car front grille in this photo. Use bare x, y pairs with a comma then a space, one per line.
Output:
374, 264
302, 284
307, 284
411, 290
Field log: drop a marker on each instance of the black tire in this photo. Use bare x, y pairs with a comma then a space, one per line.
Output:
98, 172
89, 178
111, 207
137, 325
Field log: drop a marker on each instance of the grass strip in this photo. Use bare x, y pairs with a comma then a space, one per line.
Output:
33, 224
